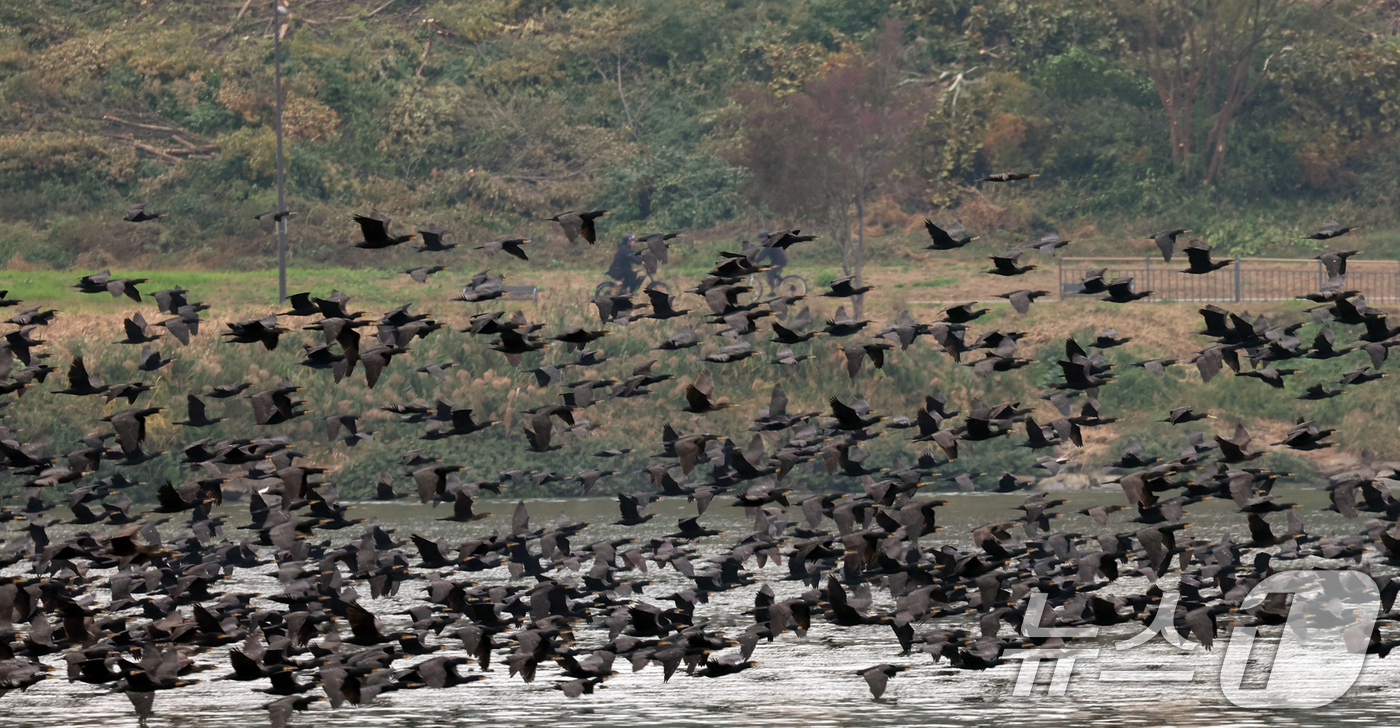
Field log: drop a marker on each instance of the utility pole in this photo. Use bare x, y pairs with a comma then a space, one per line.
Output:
278, 10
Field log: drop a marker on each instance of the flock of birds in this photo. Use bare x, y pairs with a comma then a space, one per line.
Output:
125, 606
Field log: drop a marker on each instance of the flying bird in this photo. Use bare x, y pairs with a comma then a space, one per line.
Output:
374, 228
579, 225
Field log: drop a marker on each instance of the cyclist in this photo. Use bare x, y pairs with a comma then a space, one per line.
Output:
776, 257
624, 263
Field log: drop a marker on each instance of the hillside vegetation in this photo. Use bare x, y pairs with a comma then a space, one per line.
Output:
489, 116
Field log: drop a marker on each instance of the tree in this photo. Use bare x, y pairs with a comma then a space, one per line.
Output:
822, 152
1205, 60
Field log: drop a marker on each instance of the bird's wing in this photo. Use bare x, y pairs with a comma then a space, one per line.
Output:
372, 227
695, 399
544, 429
855, 353
1166, 244
572, 225
939, 236
842, 412
628, 507
1197, 257
177, 328
462, 419
78, 374
777, 404
877, 680
1004, 264
128, 432
588, 230
1259, 528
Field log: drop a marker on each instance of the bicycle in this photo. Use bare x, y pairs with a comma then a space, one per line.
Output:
612, 287
793, 285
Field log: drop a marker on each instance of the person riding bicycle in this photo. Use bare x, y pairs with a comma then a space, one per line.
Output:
776, 257
624, 263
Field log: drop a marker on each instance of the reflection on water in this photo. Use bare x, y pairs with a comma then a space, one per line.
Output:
809, 681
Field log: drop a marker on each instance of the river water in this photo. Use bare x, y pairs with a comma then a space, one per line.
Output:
808, 682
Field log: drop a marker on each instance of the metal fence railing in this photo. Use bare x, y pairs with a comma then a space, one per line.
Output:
1248, 279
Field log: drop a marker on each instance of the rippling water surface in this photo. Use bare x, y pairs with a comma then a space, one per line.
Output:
805, 682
